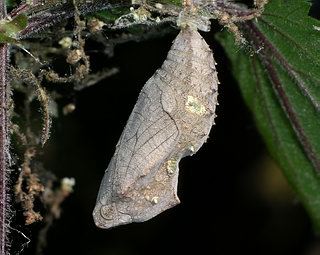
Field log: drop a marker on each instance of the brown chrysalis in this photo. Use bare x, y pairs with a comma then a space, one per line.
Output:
171, 119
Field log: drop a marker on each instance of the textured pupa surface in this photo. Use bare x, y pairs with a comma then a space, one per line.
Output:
171, 119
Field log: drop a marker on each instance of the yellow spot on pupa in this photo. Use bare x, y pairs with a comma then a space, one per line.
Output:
194, 105
171, 166
155, 200
192, 149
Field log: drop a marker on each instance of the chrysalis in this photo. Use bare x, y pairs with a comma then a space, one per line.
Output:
171, 119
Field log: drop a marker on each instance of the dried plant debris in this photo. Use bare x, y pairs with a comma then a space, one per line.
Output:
75, 57
34, 184
28, 187
29, 78
52, 199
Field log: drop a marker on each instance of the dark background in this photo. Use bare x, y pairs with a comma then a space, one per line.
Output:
233, 197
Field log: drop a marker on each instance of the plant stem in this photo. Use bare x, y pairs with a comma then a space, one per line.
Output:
4, 145
4, 137
41, 17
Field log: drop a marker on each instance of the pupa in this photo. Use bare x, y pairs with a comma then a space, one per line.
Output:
171, 120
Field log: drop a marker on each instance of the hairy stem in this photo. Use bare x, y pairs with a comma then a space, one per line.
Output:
4, 146
4, 138
41, 17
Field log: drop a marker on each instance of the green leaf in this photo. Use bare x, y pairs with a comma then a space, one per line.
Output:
280, 82
111, 15
7, 39
9, 29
